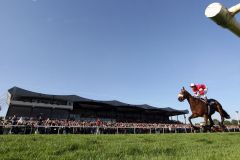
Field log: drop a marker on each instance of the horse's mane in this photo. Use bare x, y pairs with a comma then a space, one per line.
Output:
188, 93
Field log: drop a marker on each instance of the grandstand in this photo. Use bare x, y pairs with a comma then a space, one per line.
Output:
28, 104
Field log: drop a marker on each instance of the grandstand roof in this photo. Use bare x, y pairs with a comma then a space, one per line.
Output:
19, 92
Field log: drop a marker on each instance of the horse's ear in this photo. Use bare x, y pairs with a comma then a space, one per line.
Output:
183, 88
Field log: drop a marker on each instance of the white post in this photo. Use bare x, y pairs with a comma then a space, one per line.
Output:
224, 17
237, 117
185, 119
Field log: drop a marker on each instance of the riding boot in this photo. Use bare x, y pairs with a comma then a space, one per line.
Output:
206, 100
204, 97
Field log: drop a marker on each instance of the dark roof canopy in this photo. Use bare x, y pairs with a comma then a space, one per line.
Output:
19, 92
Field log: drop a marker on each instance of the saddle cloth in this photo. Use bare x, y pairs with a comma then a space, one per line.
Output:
209, 103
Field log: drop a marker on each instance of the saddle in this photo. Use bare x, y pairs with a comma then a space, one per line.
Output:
209, 102
202, 99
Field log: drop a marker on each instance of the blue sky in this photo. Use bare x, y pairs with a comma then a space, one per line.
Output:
135, 51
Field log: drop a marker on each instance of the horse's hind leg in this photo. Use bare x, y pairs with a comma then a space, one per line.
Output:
221, 112
222, 120
211, 121
206, 127
222, 116
206, 119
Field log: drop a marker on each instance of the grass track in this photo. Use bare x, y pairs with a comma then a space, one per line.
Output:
214, 146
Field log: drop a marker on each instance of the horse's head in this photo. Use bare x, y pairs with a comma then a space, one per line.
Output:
183, 94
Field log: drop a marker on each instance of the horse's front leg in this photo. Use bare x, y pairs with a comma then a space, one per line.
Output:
191, 117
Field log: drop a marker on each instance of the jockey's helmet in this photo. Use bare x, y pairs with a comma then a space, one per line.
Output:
192, 85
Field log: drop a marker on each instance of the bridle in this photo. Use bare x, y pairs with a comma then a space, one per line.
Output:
181, 96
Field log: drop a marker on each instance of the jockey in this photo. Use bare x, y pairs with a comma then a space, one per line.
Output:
199, 90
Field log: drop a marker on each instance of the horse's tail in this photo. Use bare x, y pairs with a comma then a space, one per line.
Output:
225, 114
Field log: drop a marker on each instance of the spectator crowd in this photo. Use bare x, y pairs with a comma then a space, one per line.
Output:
47, 126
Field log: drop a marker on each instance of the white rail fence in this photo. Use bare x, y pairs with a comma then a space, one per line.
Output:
24, 129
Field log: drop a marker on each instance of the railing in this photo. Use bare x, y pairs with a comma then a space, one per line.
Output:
25, 129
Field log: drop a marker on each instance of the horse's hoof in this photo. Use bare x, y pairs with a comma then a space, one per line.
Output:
196, 128
213, 129
206, 128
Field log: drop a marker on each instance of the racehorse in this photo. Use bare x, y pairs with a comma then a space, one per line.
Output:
201, 108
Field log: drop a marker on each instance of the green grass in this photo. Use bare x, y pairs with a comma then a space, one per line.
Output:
204, 146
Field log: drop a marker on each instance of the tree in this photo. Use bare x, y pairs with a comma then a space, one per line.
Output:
215, 121
234, 122
226, 122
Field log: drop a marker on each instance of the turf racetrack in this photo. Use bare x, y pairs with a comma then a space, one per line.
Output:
202, 146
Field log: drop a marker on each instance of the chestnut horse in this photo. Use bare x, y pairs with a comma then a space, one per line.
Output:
200, 108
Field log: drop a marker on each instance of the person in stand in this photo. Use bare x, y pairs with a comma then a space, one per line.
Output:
199, 90
20, 121
14, 120
98, 124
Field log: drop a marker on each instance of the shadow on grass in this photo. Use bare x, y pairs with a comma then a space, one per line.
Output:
206, 141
